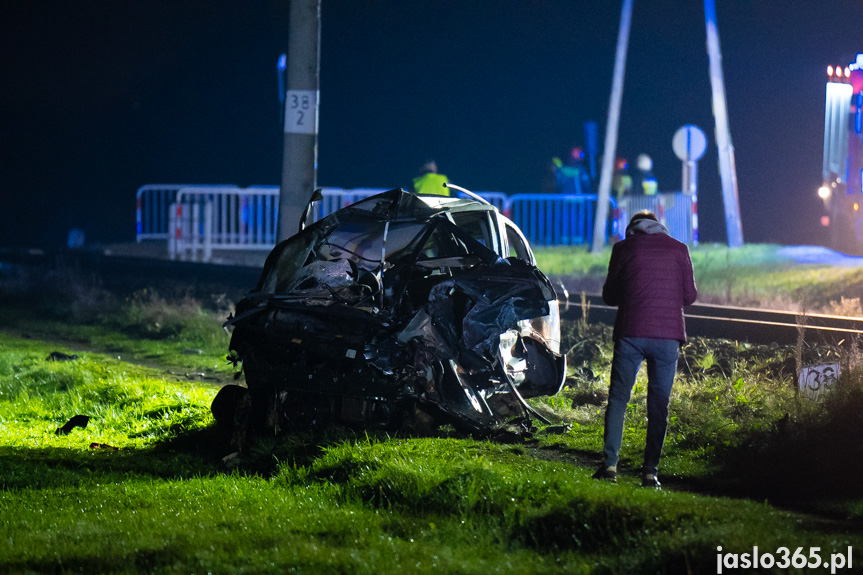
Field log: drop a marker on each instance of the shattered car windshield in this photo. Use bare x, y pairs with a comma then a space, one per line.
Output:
361, 242
342, 253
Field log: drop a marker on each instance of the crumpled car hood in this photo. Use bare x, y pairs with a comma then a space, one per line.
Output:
388, 314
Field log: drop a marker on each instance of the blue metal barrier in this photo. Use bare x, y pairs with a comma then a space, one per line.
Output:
152, 204
497, 199
554, 219
247, 218
674, 210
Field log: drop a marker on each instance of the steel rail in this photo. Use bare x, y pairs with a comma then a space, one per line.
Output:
741, 324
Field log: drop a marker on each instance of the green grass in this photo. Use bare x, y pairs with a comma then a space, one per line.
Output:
575, 260
342, 501
366, 504
753, 275
144, 328
129, 405
744, 463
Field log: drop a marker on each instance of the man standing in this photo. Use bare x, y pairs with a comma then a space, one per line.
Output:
650, 280
573, 176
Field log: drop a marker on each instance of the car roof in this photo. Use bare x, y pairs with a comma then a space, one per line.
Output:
453, 204
400, 204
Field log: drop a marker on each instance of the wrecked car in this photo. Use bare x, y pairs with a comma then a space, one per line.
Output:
397, 312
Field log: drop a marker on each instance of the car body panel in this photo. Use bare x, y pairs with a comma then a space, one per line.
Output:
400, 310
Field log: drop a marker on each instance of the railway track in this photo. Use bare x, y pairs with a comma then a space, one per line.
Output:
740, 324
201, 280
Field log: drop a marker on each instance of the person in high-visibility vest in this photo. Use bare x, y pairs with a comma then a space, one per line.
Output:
621, 181
430, 182
647, 181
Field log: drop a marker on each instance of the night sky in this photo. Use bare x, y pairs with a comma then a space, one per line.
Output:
100, 97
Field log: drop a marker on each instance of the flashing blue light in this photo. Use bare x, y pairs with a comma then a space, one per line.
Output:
858, 115
280, 74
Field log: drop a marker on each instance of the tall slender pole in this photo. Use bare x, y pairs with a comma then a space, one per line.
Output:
611, 128
300, 151
727, 168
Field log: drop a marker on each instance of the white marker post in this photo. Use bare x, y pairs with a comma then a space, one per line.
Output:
689, 144
300, 148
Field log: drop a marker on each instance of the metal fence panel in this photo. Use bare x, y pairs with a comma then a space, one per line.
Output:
674, 210
232, 218
241, 218
152, 203
497, 199
205, 218
554, 219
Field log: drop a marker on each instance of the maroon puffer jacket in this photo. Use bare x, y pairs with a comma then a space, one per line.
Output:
649, 280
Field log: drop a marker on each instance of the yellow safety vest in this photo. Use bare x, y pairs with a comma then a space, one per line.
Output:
622, 185
649, 186
431, 184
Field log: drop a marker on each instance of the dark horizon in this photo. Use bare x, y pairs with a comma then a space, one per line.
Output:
100, 98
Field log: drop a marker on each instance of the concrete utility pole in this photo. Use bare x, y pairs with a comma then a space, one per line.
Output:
727, 169
611, 129
300, 152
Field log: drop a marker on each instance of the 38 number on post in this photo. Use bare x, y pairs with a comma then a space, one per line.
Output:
301, 112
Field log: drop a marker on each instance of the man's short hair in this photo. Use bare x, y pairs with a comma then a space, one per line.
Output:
643, 215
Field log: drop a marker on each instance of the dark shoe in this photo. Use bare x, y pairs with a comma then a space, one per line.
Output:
650, 480
607, 473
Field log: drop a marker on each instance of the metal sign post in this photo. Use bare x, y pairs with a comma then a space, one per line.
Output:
689, 144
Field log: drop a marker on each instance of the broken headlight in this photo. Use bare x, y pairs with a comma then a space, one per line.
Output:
515, 366
546, 328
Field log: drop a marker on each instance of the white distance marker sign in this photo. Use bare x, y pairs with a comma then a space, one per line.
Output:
301, 112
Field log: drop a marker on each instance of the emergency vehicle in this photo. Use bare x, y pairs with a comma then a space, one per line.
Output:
842, 188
